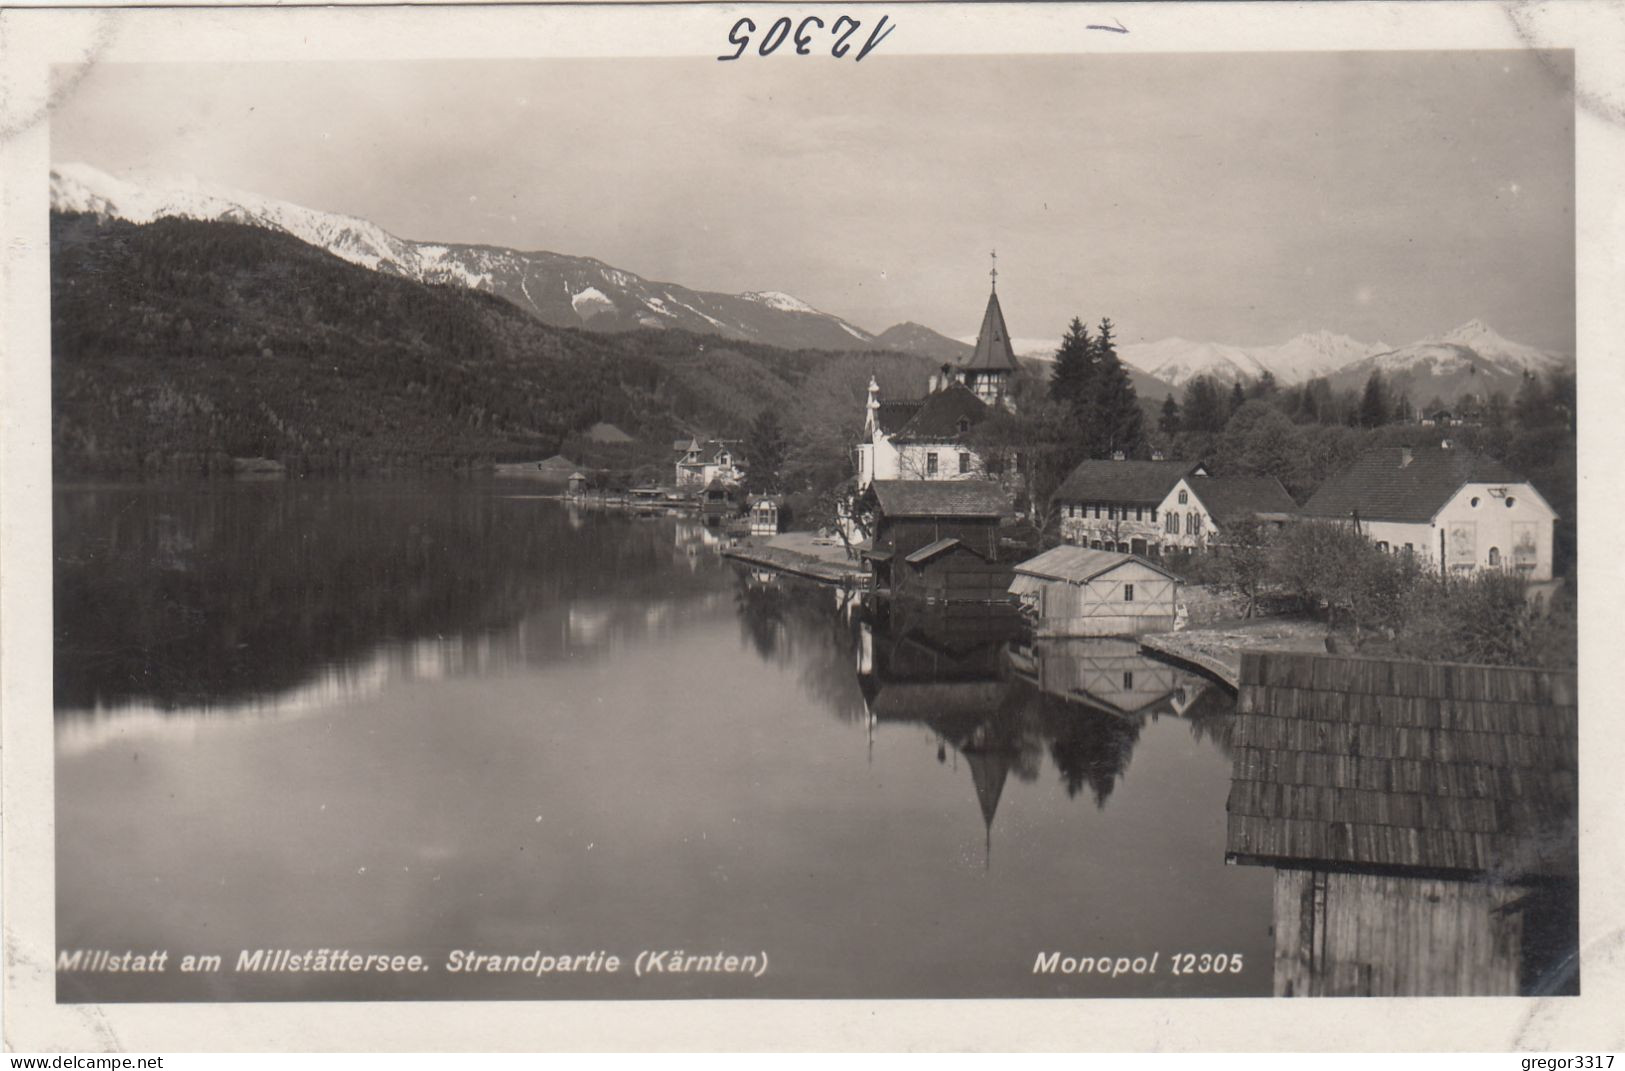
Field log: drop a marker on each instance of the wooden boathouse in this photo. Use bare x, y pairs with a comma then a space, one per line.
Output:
1077, 591
1422, 819
941, 541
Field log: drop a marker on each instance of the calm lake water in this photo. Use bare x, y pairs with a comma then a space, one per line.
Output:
415, 718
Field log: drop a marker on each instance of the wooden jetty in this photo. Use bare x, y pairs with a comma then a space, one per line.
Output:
803, 565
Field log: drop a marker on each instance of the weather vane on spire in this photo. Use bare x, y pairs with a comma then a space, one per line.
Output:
994, 273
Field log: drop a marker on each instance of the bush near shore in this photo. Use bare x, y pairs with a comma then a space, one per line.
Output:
1393, 604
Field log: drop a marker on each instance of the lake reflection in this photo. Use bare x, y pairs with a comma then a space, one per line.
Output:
419, 717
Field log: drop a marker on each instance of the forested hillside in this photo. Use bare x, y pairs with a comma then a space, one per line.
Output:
180, 344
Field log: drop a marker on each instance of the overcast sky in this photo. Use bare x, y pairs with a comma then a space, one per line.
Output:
1231, 198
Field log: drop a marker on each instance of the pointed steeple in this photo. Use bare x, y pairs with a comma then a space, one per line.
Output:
993, 351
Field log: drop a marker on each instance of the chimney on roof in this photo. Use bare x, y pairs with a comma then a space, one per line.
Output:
933, 384
1404, 456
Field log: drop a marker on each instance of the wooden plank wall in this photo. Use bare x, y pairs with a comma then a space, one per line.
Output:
1363, 935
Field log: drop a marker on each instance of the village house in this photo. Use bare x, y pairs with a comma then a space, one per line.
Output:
719, 500
939, 541
1078, 591
1458, 511
699, 463
923, 440
929, 438
1150, 508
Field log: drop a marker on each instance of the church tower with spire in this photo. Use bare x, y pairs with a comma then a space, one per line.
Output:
988, 370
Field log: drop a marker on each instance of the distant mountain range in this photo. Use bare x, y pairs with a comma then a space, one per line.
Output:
574, 291
562, 290
1472, 358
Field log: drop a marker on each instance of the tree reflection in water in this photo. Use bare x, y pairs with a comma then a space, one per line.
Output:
188, 596
989, 695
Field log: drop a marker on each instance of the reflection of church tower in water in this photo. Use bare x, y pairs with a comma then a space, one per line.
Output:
988, 769
949, 678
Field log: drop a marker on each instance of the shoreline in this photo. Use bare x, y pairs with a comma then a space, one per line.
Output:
794, 563
1217, 649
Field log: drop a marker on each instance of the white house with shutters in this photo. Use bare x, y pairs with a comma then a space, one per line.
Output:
1458, 511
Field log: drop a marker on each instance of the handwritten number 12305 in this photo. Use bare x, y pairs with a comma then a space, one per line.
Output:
777, 34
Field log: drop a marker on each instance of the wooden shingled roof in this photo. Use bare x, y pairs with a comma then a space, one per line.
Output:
941, 498
1351, 763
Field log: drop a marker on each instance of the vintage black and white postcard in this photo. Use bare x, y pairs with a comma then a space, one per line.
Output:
677, 506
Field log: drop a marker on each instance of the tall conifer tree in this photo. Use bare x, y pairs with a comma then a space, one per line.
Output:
1070, 379
1374, 403
1169, 423
1118, 423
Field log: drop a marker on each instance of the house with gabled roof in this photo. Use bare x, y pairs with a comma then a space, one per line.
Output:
1079, 591
1458, 511
929, 438
1150, 508
700, 463
939, 541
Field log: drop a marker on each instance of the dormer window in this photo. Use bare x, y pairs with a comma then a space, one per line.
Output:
964, 425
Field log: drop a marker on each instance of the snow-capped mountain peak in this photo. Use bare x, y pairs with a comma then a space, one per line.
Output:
564, 290
777, 299
1478, 336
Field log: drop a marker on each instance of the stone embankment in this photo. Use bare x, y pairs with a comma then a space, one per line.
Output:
1217, 649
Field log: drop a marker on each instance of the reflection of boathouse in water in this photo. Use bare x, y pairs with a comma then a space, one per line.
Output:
1421, 819
1000, 702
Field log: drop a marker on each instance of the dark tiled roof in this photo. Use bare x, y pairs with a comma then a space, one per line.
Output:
939, 416
1234, 498
1370, 763
993, 352
941, 498
1381, 487
1137, 483
894, 416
